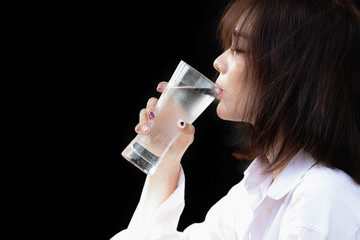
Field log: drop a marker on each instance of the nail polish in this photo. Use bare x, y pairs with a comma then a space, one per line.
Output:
145, 129
151, 115
181, 124
137, 128
160, 86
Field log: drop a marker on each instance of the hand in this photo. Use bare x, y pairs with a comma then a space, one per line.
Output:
173, 157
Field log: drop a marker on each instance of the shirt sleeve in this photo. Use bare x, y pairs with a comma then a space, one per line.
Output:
161, 224
222, 221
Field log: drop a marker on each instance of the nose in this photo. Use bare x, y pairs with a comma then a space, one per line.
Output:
219, 64
216, 64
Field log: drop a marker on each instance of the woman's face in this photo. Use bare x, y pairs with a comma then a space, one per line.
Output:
234, 94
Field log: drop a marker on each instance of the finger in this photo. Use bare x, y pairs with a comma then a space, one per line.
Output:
137, 128
187, 129
144, 124
161, 86
150, 108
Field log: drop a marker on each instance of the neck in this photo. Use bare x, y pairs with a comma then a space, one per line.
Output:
272, 155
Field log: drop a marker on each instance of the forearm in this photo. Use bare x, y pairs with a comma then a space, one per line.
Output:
159, 187
160, 207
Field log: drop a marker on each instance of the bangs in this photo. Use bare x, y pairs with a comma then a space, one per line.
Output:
236, 31
238, 18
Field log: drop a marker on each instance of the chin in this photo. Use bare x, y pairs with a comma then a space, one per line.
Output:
228, 115
223, 114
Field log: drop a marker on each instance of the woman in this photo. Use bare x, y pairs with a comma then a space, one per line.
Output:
291, 71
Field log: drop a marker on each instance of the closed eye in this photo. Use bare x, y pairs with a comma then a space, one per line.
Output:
237, 50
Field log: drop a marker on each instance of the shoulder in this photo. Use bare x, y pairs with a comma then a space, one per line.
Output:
322, 183
327, 201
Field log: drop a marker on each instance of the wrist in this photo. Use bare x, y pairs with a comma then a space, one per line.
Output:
168, 168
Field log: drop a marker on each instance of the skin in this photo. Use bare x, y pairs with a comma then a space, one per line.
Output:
161, 185
232, 106
234, 92
231, 65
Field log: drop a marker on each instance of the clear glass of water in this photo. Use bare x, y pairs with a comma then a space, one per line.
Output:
186, 96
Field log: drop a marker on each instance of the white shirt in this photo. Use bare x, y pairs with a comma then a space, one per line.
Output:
306, 201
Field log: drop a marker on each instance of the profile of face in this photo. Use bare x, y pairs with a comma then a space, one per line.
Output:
233, 81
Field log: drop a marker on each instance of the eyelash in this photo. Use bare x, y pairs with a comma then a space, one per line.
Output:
238, 50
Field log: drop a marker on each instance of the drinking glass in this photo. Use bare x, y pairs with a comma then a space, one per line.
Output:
186, 96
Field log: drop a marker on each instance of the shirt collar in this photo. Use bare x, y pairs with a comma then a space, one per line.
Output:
254, 174
291, 175
288, 178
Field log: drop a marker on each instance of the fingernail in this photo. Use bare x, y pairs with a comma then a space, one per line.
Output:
160, 86
145, 129
151, 115
181, 124
137, 128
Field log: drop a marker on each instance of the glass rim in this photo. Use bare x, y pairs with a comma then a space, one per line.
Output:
193, 69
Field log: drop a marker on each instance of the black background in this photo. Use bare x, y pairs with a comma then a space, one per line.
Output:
87, 69
111, 58
152, 39
82, 72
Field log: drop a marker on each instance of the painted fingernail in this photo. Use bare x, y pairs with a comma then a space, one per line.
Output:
151, 115
181, 124
137, 128
145, 129
160, 86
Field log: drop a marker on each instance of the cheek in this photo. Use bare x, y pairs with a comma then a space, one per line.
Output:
232, 104
231, 108
228, 107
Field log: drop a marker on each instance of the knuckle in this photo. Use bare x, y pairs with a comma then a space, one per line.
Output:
142, 112
137, 128
187, 140
151, 101
191, 130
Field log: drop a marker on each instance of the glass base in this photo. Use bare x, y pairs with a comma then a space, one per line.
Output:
141, 158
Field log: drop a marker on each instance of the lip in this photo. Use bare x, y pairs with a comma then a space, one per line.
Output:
220, 90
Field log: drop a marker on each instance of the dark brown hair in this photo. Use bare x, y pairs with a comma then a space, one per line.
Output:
304, 58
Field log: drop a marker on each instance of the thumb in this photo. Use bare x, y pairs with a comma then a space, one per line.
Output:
185, 139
